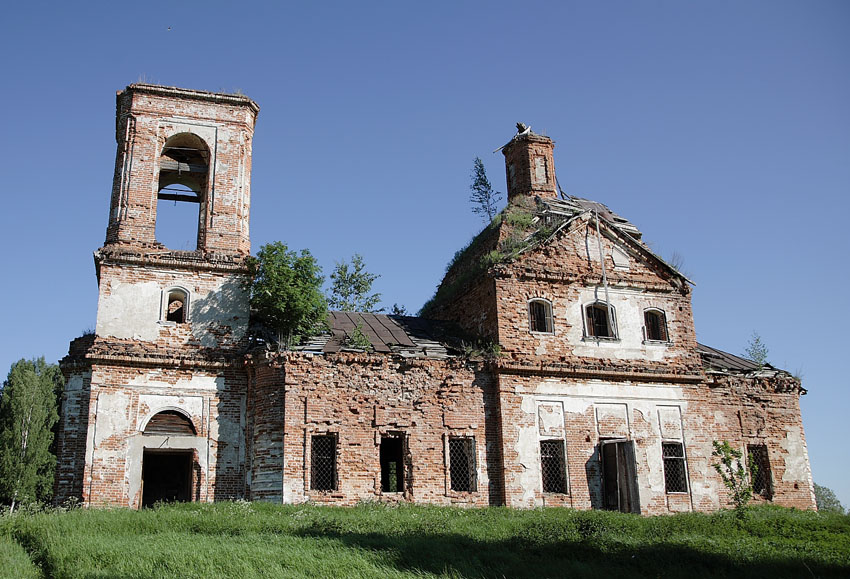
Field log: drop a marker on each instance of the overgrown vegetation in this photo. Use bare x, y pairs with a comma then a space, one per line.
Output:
736, 477
357, 339
242, 539
286, 293
482, 349
523, 232
28, 414
483, 198
351, 287
756, 350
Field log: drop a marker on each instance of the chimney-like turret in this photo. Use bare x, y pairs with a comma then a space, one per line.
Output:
530, 165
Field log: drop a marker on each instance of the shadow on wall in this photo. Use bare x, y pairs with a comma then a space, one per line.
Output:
221, 317
593, 472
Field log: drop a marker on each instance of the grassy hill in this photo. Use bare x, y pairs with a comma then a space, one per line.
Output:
259, 540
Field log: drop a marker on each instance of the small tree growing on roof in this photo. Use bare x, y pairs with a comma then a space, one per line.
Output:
286, 295
351, 287
483, 198
756, 350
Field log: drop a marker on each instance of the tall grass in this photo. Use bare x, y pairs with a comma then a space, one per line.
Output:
259, 540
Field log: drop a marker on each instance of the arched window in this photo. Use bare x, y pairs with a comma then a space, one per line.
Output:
540, 316
175, 305
170, 422
183, 178
655, 325
599, 320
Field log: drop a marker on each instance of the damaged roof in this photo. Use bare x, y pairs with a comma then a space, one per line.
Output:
718, 360
407, 336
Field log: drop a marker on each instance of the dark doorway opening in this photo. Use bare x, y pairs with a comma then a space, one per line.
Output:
392, 464
166, 477
619, 477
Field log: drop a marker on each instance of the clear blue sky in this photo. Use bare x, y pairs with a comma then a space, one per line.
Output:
721, 129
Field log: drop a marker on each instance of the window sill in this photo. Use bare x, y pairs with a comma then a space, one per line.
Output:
657, 343
611, 339
678, 493
536, 333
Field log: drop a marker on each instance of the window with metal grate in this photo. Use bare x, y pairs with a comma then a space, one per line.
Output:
760, 475
323, 463
553, 466
675, 470
462, 463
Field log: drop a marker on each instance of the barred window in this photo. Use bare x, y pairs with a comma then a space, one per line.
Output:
462, 463
540, 316
759, 464
323, 463
553, 466
675, 470
599, 320
655, 325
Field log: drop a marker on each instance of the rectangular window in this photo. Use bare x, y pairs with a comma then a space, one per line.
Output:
392, 464
540, 316
553, 466
760, 475
462, 463
323, 462
675, 469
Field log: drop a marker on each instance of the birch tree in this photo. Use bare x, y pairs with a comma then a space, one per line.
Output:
28, 412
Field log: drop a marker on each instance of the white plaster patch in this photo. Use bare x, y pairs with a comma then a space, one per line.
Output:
612, 420
112, 411
670, 422
76, 381
129, 310
796, 461
550, 419
196, 382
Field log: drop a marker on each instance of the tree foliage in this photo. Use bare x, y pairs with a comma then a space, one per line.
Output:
736, 477
286, 293
756, 350
827, 501
351, 287
28, 414
483, 198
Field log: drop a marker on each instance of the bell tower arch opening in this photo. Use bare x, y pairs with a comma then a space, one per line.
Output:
184, 168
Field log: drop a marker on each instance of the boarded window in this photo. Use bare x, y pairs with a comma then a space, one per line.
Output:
759, 464
540, 316
599, 320
619, 476
323, 463
462, 463
540, 171
675, 471
392, 464
655, 325
170, 422
553, 466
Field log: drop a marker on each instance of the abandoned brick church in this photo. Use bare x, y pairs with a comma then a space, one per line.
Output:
600, 396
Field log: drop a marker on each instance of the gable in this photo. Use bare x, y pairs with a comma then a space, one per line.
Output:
572, 252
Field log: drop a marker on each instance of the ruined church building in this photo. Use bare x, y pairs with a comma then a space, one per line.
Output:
600, 397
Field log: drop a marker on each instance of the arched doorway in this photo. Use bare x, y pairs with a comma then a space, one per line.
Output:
167, 473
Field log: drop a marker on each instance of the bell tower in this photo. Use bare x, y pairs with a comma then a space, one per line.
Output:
154, 399
530, 165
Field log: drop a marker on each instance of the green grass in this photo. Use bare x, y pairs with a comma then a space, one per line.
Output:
260, 540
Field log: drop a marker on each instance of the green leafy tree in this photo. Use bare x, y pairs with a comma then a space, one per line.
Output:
27, 415
756, 350
351, 287
827, 501
483, 198
286, 293
736, 477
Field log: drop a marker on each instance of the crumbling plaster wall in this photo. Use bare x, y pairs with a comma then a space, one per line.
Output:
132, 299
122, 400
